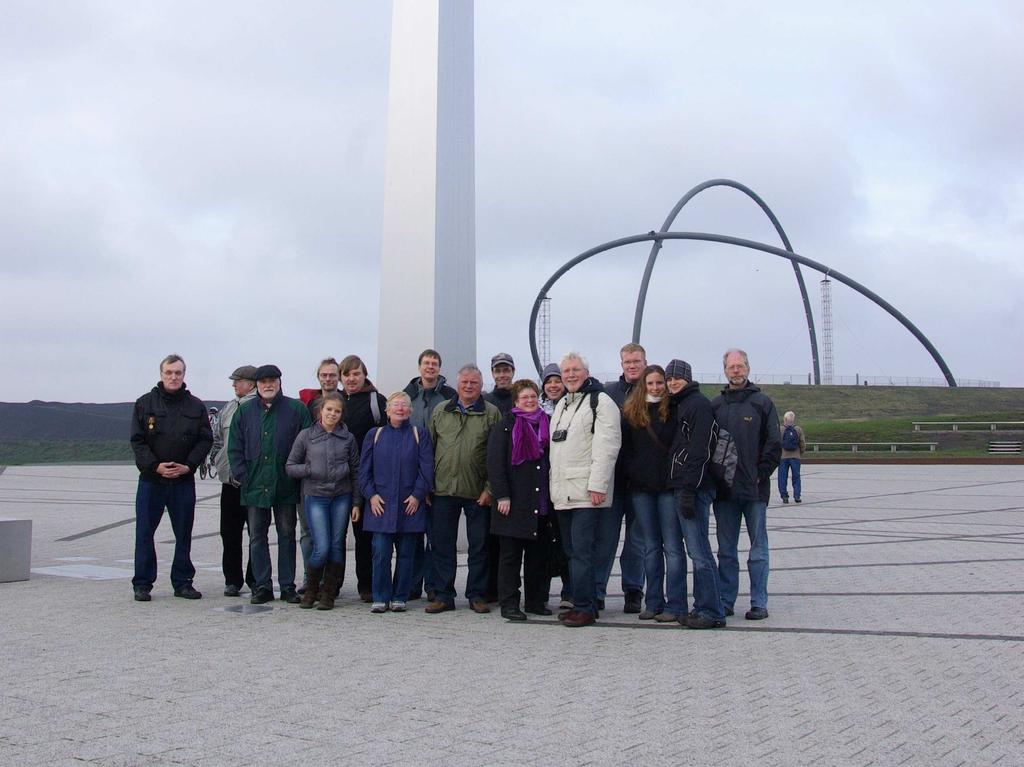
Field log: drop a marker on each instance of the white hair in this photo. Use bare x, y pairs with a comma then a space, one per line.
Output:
575, 356
789, 418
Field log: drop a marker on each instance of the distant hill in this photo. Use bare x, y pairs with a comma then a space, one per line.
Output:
77, 421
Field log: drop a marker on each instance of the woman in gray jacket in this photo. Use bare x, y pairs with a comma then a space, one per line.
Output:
326, 459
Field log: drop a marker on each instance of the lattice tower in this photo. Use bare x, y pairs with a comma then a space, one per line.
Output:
827, 363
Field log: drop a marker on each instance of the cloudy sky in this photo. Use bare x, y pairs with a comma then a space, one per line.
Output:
207, 178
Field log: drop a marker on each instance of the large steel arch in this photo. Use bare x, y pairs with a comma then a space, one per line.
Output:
641, 298
752, 245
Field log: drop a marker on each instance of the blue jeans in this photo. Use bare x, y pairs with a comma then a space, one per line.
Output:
444, 520
707, 595
727, 517
664, 558
388, 588
259, 546
631, 560
328, 523
784, 467
150, 500
579, 539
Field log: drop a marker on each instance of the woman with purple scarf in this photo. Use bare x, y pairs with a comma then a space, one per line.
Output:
517, 468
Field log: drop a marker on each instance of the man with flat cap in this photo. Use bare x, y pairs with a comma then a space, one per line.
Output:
260, 440
232, 513
170, 437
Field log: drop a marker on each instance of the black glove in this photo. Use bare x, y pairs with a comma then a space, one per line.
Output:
686, 507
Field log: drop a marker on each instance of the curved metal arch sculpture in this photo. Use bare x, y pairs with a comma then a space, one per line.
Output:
752, 245
641, 299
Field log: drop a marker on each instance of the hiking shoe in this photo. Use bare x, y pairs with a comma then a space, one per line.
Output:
633, 603
290, 596
479, 606
703, 622
438, 607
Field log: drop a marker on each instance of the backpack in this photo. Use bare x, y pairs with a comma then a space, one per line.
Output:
375, 410
790, 439
377, 433
724, 459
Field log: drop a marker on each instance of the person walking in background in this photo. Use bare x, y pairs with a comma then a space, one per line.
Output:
750, 417
325, 458
793, 447
171, 437
232, 513
648, 427
396, 473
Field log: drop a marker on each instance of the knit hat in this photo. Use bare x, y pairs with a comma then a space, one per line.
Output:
551, 369
679, 369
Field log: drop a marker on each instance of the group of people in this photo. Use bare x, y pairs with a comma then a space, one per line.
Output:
545, 474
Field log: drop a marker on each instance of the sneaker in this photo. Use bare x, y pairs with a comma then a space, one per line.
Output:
142, 595
565, 604
398, 607
379, 607
187, 592
756, 614
703, 622
231, 590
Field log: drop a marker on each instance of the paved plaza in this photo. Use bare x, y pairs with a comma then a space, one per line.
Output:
896, 637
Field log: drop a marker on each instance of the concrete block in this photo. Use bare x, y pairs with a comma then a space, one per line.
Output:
15, 549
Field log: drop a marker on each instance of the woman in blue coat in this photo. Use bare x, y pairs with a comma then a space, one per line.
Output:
396, 471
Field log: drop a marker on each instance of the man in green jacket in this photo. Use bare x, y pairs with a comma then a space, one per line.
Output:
261, 438
459, 431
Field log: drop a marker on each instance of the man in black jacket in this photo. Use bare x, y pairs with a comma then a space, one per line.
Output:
171, 437
690, 477
751, 418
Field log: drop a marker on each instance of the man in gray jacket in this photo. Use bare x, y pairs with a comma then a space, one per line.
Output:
232, 513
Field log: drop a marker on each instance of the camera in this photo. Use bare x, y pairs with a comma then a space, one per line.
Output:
559, 435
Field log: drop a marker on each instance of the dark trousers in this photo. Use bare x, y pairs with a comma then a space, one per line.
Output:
233, 518
493, 560
364, 556
531, 556
151, 498
444, 531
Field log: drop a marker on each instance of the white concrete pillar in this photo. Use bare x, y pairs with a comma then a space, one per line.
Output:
428, 259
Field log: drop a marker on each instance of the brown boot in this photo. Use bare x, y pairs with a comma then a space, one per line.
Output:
330, 587
312, 577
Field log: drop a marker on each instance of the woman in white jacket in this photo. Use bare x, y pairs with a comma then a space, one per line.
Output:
585, 440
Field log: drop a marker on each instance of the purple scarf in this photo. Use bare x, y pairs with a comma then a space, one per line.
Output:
529, 435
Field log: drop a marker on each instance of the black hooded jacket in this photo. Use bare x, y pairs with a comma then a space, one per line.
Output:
695, 437
751, 418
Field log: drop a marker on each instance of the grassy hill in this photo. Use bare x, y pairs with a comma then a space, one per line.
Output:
56, 432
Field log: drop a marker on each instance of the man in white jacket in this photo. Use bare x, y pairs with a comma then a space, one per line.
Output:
585, 440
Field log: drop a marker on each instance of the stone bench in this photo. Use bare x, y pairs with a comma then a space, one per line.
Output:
15, 549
